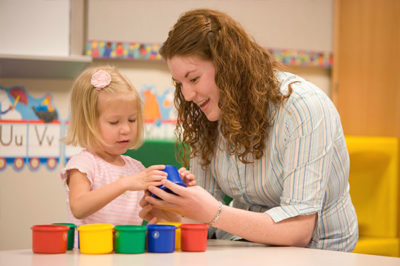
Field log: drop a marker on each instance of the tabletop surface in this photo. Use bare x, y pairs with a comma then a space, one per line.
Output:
219, 252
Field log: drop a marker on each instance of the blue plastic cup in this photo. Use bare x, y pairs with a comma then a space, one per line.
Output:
173, 176
161, 238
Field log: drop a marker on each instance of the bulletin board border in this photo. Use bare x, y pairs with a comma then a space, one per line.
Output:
103, 49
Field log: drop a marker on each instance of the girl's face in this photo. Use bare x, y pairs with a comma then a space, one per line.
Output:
196, 78
117, 123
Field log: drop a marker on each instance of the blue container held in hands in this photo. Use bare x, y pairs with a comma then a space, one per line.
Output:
173, 176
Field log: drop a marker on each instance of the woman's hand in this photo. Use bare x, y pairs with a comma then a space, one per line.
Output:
192, 202
151, 176
187, 177
197, 204
154, 215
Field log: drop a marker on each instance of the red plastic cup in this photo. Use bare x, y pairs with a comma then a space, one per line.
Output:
194, 237
49, 238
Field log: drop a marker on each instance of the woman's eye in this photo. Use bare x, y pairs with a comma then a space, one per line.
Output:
194, 79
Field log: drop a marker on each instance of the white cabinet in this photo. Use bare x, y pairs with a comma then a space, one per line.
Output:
42, 39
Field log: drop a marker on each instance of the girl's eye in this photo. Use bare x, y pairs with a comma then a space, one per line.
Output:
132, 120
113, 122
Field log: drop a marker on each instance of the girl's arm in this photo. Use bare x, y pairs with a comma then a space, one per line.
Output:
84, 201
197, 204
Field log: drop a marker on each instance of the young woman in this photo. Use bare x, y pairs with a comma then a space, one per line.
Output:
268, 139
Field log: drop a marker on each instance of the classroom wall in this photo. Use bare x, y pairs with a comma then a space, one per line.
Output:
290, 24
301, 24
28, 197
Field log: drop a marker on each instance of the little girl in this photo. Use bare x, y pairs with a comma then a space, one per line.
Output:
104, 186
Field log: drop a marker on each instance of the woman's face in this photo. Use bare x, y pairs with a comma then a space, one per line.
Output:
196, 78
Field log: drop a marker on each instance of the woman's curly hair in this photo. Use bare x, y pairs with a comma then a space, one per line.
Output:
244, 73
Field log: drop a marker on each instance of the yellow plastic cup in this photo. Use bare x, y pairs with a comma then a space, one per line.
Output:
96, 238
177, 234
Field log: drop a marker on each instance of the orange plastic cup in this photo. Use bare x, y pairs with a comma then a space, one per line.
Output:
49, 238
194, 237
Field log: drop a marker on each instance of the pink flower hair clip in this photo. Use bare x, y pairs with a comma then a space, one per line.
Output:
100, 79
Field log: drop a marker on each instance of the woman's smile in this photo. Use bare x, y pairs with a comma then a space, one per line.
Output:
195, 78
203, 105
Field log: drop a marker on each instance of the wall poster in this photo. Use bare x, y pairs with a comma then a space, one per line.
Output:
31, 128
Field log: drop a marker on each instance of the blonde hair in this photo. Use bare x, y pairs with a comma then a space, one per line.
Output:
244, 74
83, 128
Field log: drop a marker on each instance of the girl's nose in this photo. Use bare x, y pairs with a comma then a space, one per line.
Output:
188, 92
124, 128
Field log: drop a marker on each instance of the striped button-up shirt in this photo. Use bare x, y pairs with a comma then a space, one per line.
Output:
304, 170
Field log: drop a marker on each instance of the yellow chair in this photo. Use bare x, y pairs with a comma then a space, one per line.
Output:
374, 165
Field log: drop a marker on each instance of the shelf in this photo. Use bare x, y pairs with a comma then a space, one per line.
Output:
49, 67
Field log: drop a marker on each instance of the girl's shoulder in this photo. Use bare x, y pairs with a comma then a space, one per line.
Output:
132, 162
82, 157
84, 162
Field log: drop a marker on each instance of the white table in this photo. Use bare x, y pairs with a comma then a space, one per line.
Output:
219, 252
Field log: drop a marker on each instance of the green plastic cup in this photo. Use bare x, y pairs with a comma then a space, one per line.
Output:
71, 234
130, 238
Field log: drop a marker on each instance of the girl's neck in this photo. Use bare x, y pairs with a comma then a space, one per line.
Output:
110, 158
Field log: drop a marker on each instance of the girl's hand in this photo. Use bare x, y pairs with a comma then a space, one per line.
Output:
154, 215
192, 202
151, 176
187, 177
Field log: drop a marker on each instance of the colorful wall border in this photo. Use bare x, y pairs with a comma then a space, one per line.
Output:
149, 51
123, 50
303, 58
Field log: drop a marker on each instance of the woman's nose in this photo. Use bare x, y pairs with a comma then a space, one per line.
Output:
188, 92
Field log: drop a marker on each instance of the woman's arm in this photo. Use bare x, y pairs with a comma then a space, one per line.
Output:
197, 204
260, 228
